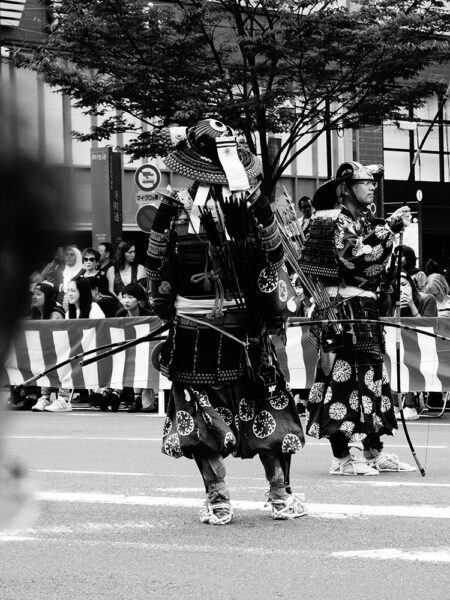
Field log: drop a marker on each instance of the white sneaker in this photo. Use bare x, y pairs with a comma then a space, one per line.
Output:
59, 405
349, 465
410, 414
41, 404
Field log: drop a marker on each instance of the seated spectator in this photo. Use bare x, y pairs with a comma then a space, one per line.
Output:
44, 306
109, 304
132, 299
81, 306
409, 261
106, 251
437, 286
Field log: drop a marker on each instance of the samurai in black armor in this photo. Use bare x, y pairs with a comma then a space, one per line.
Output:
215, 262
347, 251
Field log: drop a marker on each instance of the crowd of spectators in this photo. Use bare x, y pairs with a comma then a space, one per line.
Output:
112, 282
88, 284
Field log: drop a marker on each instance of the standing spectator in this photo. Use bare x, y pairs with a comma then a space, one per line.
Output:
431, 266
409, 261
91, 260
81, 306
106, 251
133, 298
306, 208
437, 286
53, 271
44, 306
126, 269
73, 265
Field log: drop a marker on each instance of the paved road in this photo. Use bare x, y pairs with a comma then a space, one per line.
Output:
118, 520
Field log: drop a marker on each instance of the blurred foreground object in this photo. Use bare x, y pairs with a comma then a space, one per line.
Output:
30, 216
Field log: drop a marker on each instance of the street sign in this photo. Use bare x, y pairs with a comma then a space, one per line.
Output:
147, 177
146, 197
145, 215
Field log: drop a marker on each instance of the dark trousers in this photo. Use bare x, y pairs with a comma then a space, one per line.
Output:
340, 444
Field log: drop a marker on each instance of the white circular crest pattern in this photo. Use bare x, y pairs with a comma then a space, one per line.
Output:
373, 270
354, 400
246, 410
337, 411
342, 370
375, 253
280, 401
347, 427
282, 290
291, 443
368, 377
167, 426
264, 424
229, 440
267, 281
316, 392
385, 403
225, 414
185, 423
172, 446
314, 430
380, 232
367, 405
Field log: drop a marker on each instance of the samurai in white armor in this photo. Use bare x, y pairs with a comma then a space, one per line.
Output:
214, 260
347, 251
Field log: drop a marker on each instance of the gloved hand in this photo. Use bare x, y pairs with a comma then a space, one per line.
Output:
399, 219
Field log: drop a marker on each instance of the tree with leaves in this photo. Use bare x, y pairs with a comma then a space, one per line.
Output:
297, 67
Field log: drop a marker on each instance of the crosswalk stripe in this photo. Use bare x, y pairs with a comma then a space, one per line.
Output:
320, 510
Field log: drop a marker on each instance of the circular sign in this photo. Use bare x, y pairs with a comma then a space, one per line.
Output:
419, 195
147, 177
144, 217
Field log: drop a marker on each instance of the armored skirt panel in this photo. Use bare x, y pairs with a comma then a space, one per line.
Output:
198, 354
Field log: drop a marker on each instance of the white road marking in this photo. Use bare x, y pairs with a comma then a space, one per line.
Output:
320, 510
419, 554
395, 483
